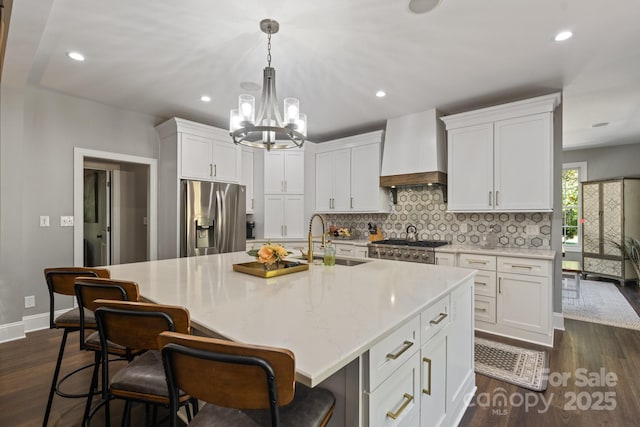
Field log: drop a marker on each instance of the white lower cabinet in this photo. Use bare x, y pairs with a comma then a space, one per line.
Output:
425, 385
512, 296
433, 397
445, 259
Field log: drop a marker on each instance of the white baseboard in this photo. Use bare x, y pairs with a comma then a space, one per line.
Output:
11, 331
558, 321
17, 330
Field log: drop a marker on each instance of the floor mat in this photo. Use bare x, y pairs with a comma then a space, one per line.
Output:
515, 365
599, 302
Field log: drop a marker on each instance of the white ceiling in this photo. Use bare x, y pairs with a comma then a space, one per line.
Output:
158, 57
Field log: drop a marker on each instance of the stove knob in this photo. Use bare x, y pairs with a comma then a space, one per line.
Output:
374, 252
425, 255
416, 255
407, 255
382, 252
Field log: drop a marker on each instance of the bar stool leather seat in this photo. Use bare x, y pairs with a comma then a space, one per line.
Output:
306, 409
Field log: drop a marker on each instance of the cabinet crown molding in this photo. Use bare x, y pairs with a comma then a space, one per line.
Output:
526, 107
348, 142
175, 125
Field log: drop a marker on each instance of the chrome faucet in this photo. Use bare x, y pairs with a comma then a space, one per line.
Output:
310, 250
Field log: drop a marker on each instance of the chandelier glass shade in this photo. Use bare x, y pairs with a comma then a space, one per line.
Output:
268, 128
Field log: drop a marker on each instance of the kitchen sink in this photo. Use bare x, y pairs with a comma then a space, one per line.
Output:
348, 262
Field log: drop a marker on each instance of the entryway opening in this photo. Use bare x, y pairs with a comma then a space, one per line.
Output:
115, 208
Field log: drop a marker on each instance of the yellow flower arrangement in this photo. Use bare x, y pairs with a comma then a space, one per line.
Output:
269, 253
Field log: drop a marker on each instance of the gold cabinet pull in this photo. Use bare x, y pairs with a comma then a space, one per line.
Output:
480, 309
490, 198
529, 267
405, 346
476, 261
439, 319
497, 195
427, 390
407, 399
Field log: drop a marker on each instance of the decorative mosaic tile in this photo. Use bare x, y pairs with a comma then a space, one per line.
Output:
423, 208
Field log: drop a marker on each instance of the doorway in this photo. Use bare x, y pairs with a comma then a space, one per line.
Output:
115, 208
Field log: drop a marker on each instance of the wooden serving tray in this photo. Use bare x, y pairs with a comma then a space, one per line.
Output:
257, 269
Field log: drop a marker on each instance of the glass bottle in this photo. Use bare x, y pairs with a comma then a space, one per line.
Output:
329, 254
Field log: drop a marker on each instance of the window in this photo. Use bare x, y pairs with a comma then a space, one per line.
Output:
572, 175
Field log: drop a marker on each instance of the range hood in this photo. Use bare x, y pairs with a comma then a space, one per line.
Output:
415, 152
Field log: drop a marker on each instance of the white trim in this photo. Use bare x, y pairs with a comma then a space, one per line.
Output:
558, 321
11, 332
79, 155
36, 322
582, 176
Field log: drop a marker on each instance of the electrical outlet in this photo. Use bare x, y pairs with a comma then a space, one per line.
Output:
532, 229
466, 227
44, 221
66, 221
30, 301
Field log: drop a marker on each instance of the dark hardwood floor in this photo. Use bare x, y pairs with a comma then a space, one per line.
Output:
596, 349
26, 369
631, 292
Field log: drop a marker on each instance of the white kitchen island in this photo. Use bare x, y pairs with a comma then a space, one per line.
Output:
362, 331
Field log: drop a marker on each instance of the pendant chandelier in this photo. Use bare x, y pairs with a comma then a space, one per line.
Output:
268, 129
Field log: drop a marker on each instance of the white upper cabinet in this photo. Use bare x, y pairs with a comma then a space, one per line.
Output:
501, 158
348, 175
284, 172
283, 216
246, 178
203, 152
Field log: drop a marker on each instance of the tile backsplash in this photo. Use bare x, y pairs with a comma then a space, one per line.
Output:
425, 208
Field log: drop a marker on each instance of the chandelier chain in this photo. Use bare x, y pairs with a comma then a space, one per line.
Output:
269, 48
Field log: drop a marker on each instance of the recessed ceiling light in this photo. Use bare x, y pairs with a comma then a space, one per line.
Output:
381, 94
76, 56
563, 35
599, 125
205, 98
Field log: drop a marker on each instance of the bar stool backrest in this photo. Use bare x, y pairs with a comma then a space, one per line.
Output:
137, 325
60, 280
229, 374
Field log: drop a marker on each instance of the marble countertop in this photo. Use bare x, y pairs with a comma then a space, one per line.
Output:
327, 316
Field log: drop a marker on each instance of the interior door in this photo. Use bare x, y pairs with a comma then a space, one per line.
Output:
97, 217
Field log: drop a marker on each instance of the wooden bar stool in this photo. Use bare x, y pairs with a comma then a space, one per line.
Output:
136, 325
88, 290
243, 385
61, 281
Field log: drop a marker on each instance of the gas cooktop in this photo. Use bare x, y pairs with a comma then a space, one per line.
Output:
419, 243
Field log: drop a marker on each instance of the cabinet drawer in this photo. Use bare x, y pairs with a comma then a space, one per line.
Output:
434, 319
529, 267
395, 349
345, 250
479, 262
396, 403
485, 283
485, 309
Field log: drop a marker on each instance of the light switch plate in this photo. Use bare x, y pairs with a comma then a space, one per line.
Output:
29, 301
66, 221
44, 220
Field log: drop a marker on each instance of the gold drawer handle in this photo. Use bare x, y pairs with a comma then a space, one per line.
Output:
529, 267
477, 261
405, 346
427, 390
481, 309
480, 283
440, 318
407, 399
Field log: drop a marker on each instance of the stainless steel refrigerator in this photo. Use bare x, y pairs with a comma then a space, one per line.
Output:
213, 218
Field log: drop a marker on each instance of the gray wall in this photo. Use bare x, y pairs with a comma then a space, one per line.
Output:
39, 130
607, 162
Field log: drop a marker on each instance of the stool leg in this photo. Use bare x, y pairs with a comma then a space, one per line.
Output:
92, 388
54, 382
